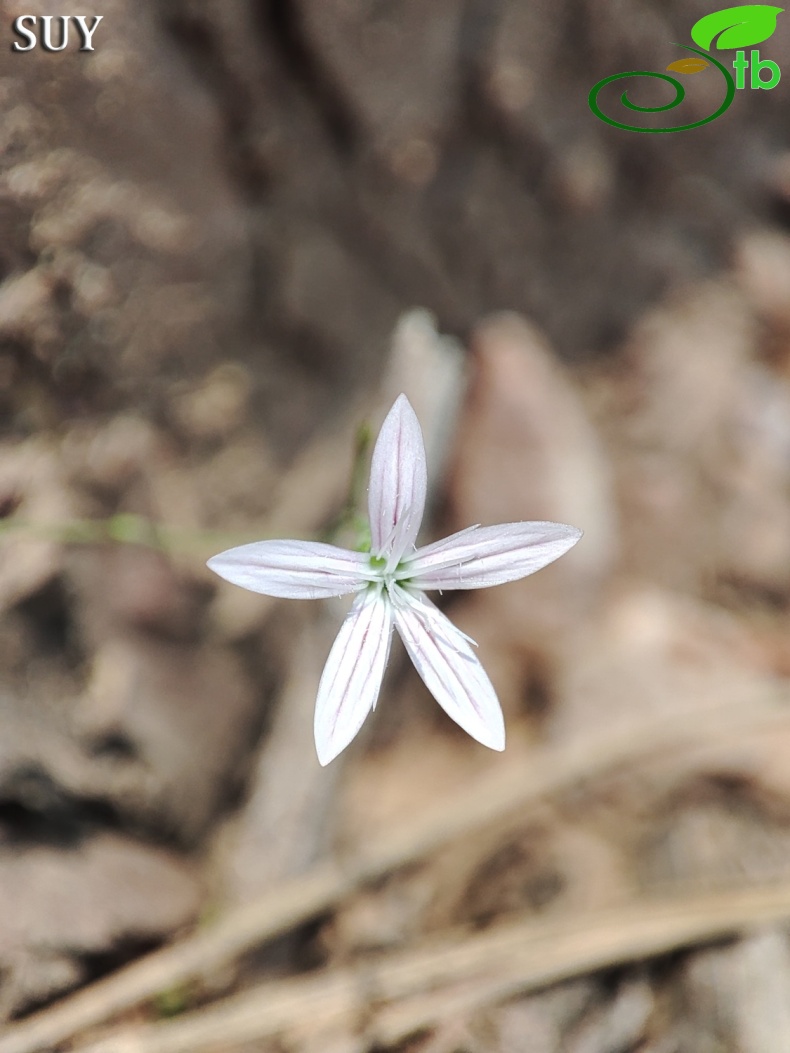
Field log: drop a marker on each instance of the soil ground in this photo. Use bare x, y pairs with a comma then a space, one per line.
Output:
230, 235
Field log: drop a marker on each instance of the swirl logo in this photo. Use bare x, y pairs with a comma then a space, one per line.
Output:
732, 28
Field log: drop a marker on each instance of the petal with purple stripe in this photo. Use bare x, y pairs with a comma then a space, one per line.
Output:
305, 570
449, 668
488, 555
398, 483
351, 679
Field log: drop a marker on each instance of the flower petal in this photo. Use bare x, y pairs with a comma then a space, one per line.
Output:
352, 675
398, 483
306, 570
448, 666
481, 556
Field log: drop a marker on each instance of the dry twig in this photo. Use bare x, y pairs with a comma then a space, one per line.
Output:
415, 989
500, 795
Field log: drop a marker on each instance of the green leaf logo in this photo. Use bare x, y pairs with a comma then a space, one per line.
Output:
736, 27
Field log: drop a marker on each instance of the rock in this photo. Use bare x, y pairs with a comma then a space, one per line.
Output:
170, 725
763, 272
742, 989
701, 448
365, 57
650, 651
526, 450
684, 368
37, 508
61, 908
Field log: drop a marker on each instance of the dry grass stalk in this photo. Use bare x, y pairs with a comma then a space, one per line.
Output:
394, 995
501, 794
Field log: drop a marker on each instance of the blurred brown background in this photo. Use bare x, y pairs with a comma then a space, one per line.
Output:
216, 228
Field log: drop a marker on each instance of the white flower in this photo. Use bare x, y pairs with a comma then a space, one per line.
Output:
390, 583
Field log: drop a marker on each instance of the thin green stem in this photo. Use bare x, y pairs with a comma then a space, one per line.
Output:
123, 528
350, 517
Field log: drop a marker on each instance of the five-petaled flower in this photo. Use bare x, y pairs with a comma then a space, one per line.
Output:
390, 582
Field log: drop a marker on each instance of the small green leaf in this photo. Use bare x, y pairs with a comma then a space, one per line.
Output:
736, 27
173, 1000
